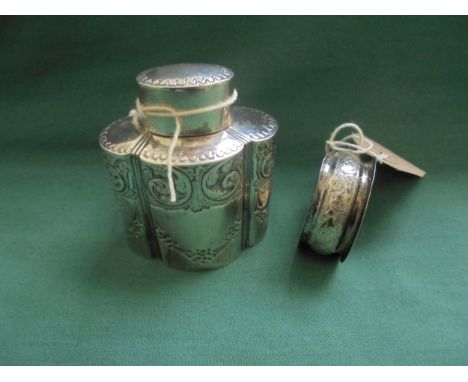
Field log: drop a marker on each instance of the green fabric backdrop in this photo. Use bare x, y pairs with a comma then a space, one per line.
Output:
71, 292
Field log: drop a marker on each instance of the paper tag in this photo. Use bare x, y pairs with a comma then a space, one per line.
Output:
391, 159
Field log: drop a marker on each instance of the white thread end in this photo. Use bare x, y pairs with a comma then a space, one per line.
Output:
380, 157
170, 153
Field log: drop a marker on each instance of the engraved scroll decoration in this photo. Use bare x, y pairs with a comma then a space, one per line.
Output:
262, 182
332, 200
341, 189
197, 187
121, 178
125, 191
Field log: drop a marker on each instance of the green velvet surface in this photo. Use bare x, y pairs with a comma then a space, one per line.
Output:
71, 292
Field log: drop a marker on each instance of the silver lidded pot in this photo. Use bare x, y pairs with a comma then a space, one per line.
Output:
221, 169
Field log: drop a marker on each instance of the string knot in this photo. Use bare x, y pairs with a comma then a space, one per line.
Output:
141, 111
356, 142
362, 144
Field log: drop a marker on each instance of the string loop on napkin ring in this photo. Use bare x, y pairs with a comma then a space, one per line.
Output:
364, 146
141, 111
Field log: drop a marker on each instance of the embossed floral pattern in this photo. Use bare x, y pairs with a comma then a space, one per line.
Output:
205, 255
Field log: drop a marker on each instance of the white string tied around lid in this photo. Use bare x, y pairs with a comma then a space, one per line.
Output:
362, 145
141, 111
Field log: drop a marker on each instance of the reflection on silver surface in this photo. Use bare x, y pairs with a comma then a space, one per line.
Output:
339, 203
186, 86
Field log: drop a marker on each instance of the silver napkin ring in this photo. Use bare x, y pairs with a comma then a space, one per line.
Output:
339, 203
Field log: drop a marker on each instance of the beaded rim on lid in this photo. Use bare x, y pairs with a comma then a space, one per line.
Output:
184, 76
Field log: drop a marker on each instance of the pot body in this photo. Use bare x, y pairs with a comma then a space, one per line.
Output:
222, 182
